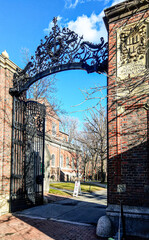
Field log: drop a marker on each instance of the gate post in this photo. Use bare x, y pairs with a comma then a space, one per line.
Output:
7, 69
128, 94
43, 155
12, 150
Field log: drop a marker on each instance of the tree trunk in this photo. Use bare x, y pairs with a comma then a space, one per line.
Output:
102, 173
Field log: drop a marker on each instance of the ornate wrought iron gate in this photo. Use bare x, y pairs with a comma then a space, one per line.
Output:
62, 50
27, 169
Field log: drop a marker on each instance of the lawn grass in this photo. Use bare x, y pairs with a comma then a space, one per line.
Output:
58, 192
85, 187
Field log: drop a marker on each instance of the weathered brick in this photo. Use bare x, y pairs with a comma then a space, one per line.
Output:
128, 133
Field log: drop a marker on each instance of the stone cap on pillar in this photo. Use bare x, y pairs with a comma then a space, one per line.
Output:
6, 63
124, 9
5, 54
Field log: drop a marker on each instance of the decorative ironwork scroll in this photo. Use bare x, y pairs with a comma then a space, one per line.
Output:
62, 50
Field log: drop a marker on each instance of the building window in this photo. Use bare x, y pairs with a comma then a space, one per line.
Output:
61, 161
48, 163
77, 164
53, 160
53, 128
67, 162
73, 163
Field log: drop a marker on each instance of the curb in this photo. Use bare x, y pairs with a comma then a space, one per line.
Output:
53, 219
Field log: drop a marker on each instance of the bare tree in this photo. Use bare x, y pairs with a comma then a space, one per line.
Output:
93, 140
128, 95
85, 154
125, 88
70, 126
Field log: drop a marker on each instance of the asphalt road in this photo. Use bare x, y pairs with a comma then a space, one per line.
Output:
86, 209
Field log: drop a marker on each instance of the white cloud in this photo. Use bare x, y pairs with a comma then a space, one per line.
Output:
117, 1
92, 28
74, 3
71, 4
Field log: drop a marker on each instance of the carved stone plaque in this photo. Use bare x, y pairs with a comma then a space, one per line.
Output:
132, 50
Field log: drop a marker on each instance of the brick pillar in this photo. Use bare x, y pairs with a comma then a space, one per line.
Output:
128, 91
7, 69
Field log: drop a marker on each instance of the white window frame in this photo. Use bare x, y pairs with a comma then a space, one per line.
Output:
73, 164
54, 129
61, 161
53, 159
67, 162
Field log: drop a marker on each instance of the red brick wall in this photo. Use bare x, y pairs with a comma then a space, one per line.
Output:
57, 151
5, 130
128, 135
7, 69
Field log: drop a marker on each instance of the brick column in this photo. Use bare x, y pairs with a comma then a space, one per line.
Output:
128, 91
7, 69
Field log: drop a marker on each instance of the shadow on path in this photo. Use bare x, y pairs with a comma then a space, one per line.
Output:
83, 209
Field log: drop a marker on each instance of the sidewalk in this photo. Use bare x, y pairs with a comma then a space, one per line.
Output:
86, 208
23, 228
63, 219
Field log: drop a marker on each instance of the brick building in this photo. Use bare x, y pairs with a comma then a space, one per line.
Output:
62, 159
128, 115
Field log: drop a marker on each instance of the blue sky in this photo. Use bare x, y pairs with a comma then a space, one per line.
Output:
25, 22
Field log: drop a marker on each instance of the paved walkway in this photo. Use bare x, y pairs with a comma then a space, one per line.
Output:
87, 209
68, 222
61, 219
23, 228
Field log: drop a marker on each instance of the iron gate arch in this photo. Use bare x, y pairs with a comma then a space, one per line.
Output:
62, 50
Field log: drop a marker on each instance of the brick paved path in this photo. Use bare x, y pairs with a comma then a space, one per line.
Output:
23, 228
14, 228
